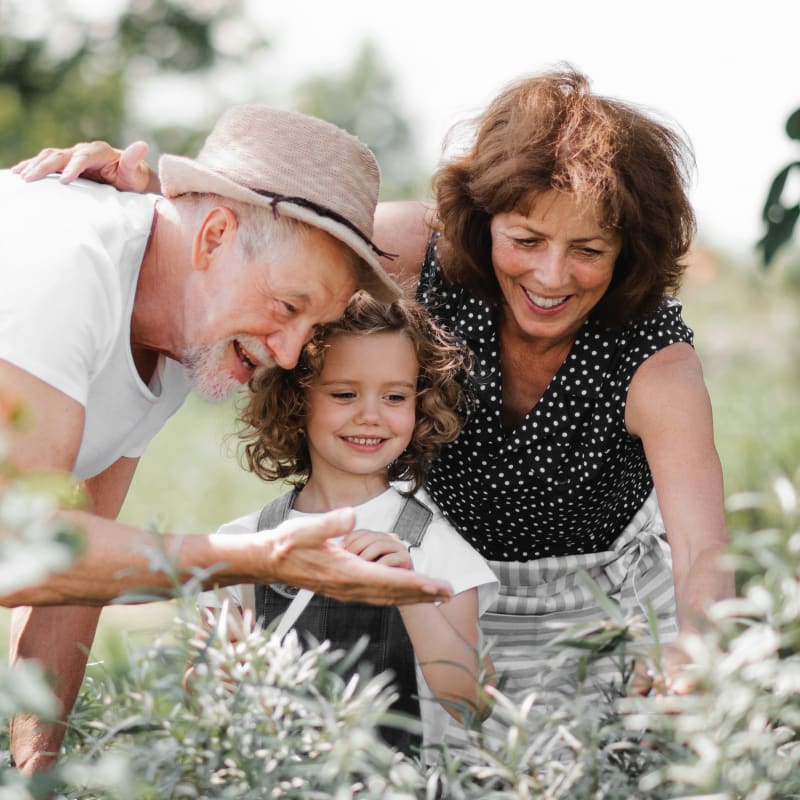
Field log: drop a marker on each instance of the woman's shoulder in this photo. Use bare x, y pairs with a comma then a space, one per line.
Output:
661, 327
633, 343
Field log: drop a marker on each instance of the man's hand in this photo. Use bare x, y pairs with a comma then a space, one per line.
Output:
98, 161
302, 554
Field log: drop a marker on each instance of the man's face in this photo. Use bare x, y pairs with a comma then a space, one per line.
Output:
242, 316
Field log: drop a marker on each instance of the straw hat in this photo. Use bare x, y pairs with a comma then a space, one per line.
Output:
294, 164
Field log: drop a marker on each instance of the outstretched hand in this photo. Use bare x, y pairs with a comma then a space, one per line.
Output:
98, 161
674, 675
304, 555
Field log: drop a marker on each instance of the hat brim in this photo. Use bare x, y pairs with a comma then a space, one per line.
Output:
182, 175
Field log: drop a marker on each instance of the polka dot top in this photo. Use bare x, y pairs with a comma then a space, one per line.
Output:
569, 478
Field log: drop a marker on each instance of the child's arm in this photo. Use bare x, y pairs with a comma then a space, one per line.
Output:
445, 639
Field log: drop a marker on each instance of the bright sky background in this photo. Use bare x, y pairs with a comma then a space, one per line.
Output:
727, 72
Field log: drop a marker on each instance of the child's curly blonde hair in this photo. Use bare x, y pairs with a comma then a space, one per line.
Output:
274, 416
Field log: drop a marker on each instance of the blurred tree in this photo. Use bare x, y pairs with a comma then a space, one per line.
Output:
67, 76
779, 216
364, 101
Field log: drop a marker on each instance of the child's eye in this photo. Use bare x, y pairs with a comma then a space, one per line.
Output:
397, 398
343, 395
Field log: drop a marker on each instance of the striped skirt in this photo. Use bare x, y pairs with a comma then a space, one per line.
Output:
540, 600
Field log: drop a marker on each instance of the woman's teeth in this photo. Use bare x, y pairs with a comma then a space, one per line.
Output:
545, 302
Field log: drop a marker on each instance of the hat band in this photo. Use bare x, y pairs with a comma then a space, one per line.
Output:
322, 211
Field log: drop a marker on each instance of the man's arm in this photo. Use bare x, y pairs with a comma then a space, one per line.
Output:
115, 556
59, 638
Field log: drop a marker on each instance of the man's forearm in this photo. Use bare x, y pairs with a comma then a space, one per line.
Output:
118, 559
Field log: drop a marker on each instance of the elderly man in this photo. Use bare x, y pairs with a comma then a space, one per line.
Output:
114, 305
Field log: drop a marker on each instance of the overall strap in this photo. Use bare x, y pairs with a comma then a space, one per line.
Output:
413, 521
276, 511
273, 513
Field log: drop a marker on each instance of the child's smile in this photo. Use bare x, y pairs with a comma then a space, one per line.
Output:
362, 408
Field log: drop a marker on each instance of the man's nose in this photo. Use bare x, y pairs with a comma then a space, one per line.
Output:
286, 345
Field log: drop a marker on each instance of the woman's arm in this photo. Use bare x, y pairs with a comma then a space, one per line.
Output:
445, 640
401, 228
404, 228
670, 410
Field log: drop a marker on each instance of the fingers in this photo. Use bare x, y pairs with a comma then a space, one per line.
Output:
132, 171
382, 548
45, 162
95, 160
78, 163
384, 585
311, 533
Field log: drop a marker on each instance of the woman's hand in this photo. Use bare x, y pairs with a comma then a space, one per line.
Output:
380, 548
98, 161
674, 675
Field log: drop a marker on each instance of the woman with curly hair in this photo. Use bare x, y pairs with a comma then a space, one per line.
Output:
373, 398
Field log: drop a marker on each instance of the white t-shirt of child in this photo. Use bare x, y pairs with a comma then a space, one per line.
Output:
69, 265
442, 555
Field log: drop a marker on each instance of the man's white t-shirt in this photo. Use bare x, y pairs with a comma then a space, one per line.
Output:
443, 555
69, 265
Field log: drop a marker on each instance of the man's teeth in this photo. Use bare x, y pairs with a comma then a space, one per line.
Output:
362, 440
545, 302
245, 356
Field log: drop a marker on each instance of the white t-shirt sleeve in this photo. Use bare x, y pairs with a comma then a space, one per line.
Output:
445, 555
214, 598
63, 292
44, 294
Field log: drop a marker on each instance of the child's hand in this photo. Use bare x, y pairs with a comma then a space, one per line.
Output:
380, 548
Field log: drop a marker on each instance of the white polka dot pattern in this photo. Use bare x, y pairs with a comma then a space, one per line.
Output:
569, 478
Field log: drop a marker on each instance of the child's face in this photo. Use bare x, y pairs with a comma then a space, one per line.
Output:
361, 409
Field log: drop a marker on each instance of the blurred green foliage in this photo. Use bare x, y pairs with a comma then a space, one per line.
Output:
780, 214
66, 77
363, 101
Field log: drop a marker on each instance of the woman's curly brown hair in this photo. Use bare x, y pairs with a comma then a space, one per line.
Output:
550, 132
274, 417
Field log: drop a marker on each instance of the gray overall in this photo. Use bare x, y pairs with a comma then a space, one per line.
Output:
343, 624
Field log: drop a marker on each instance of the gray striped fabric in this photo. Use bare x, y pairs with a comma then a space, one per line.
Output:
540, 599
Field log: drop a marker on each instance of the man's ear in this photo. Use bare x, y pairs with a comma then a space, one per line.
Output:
217, 228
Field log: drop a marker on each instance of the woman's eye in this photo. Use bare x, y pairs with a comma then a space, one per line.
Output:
527, 242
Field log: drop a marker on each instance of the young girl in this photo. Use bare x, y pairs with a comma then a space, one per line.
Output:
372, 399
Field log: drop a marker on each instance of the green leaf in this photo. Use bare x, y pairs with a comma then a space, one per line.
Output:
793, 125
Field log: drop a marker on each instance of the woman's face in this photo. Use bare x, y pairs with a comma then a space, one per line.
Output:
553, 266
